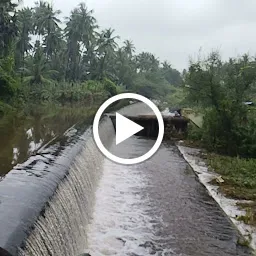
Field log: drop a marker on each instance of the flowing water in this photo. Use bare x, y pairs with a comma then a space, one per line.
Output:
154, 208
157, 208
62, 228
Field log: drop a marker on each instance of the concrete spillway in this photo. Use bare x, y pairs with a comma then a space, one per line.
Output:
46, 201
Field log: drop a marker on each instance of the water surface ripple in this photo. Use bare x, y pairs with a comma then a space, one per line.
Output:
157, 208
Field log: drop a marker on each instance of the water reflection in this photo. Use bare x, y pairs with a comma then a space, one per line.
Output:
22, 137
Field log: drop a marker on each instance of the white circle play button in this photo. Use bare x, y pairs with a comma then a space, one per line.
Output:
125, 128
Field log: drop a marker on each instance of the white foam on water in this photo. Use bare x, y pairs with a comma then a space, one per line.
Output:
61, 229
34, 146
120, 224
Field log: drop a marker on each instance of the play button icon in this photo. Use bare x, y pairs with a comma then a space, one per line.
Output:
125, 128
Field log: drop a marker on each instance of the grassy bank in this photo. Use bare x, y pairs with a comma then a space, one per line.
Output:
239, 176
238, 173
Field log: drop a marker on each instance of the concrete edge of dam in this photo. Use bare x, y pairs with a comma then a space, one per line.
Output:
228, 205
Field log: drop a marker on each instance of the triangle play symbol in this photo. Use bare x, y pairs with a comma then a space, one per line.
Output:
125, 128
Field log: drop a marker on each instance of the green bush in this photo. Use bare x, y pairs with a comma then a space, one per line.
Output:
194, 133
228, 134
93, 86
110, 87
8, 83
247, 139
221, 88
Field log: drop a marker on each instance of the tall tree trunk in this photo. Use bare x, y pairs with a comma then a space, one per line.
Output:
102, 67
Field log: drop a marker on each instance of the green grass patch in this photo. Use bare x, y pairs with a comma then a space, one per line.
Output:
239, 175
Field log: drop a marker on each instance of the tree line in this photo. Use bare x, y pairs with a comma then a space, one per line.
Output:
221, 90
39, 50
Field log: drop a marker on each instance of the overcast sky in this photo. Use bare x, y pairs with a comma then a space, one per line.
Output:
175, 29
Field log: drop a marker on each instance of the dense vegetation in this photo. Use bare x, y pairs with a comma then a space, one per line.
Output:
55, 71
44, 58
220, 89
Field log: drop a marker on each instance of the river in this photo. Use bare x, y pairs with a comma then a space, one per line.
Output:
24, 135
157, 208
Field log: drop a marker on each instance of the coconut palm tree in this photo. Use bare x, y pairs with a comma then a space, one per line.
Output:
38, 13
143, 61
25, 25
166, 65
8, 26
46, 24
124, 68
129, 47
80, 34
52, 43
147, 62
106, 49
87, 24
154, 62
23, 45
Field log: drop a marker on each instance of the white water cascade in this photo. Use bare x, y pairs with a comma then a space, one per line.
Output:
61, 229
